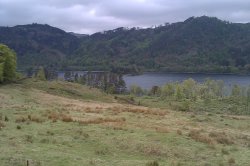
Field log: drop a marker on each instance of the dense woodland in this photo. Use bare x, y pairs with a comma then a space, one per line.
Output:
199, 44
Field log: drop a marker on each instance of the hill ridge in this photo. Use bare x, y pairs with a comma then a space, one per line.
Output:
198, 44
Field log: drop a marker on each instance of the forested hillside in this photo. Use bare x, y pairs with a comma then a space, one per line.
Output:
201, 44
38, 44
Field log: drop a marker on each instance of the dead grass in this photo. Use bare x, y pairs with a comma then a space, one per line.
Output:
151, 150
29, 118
145, 111
87, 109
101, 120
116, 125
197, 136
179, 132
21, 119
36, 119
66, 118
231, 161
96, 111
54, 116
221, 138
162, 130
138, 133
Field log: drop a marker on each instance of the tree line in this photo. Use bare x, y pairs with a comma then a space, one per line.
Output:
109, 82
191, 95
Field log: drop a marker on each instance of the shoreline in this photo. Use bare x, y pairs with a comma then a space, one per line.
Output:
205, 73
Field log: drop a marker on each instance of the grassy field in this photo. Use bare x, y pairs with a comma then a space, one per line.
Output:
60, 124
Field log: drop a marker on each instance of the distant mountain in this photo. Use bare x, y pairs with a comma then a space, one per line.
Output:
199, 44
38, 44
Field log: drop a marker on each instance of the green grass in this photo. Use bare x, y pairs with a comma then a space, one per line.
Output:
227, 105
139, 139
69, 90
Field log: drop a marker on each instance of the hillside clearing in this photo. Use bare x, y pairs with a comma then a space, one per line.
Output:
58, 123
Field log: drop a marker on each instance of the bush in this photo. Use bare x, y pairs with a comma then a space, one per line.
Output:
40, 75
7, 64
6, 119
181, 106
136, 90
18, 127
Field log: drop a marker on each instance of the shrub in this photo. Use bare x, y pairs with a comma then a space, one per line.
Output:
40, 75
136, 90
6, 119
181, 106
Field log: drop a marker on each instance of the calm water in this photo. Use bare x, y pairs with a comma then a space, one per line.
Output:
147, 80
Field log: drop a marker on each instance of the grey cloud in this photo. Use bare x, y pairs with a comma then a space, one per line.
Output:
89, 16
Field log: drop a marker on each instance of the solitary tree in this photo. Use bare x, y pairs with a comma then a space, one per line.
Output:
7, 64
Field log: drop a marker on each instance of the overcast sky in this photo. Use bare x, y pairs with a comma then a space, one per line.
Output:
89, 16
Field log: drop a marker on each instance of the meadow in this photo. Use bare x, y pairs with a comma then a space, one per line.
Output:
55, 123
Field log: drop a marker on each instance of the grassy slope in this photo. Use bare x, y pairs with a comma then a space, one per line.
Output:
69, 124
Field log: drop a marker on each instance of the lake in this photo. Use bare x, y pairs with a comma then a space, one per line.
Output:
147, 80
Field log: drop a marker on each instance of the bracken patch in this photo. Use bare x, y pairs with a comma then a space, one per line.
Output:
197, 136
221, 138
145, 111
101, 120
